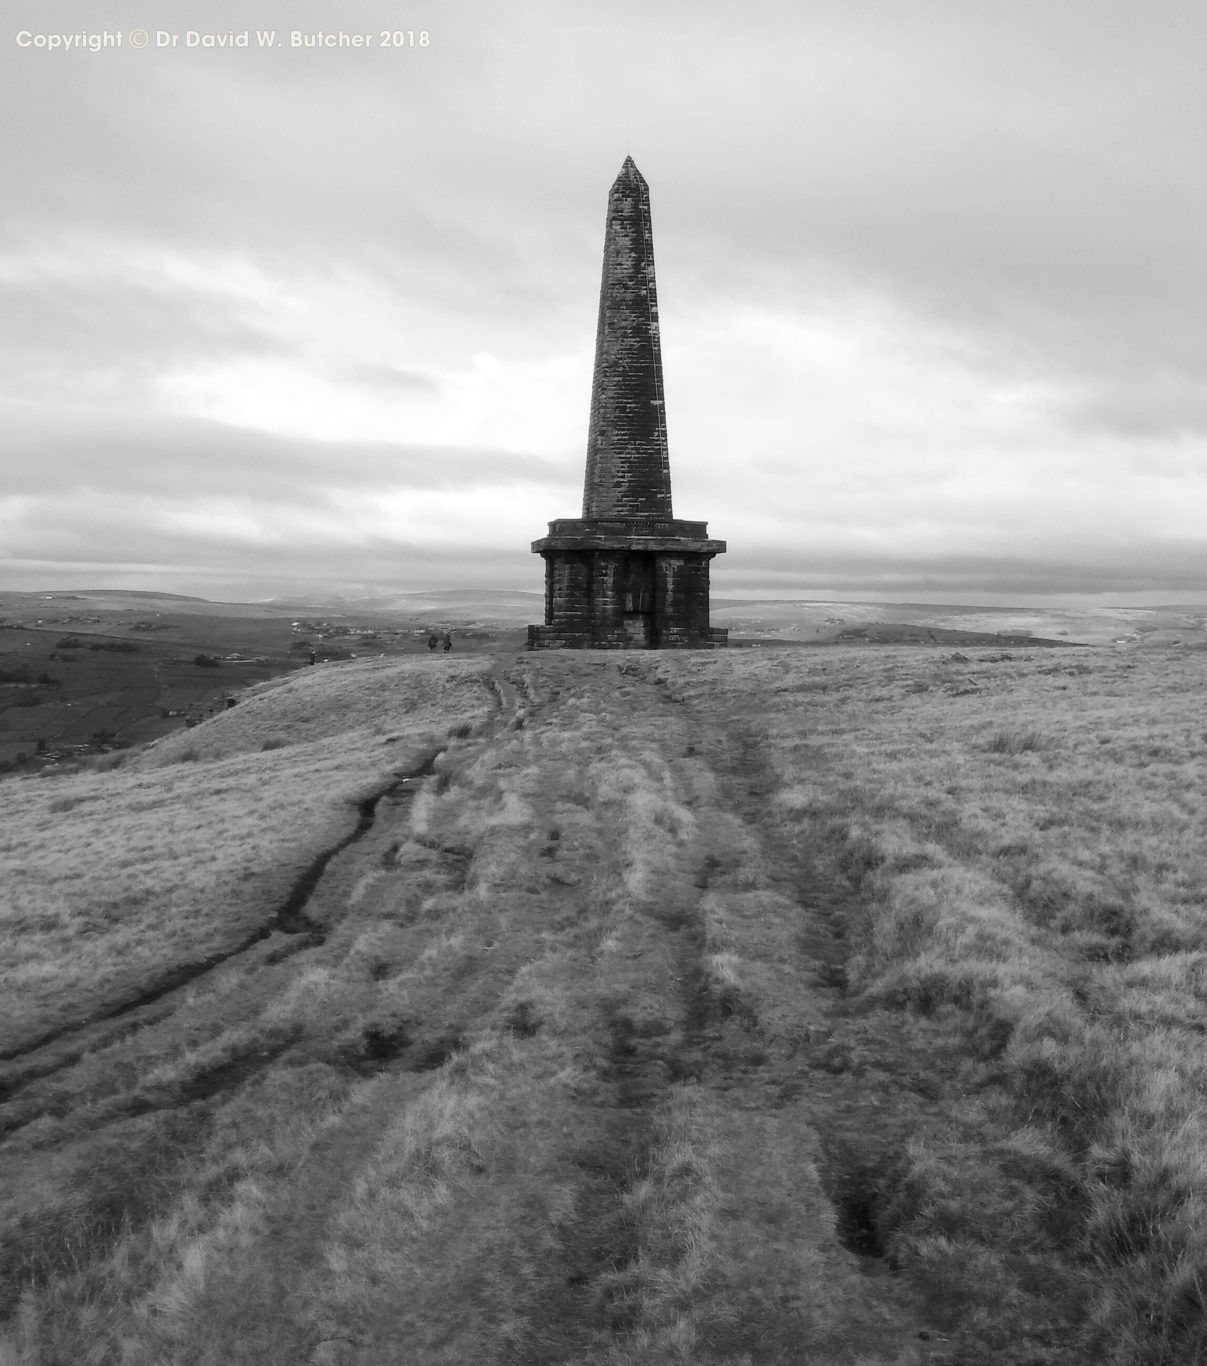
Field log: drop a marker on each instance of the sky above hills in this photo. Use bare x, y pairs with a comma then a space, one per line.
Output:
282, 319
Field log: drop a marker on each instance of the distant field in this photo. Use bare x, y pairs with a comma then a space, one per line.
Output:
840, 1006
82, 675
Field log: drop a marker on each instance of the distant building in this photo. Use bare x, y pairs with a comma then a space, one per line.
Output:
627, 575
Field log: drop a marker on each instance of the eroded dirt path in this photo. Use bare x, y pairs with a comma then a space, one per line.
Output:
682, 960
599, 1097
808, 1100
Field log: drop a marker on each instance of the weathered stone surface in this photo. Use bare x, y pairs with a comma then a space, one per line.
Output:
627, 575
617, 534
626, 597
628, 469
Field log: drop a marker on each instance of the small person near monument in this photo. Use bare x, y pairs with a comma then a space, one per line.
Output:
432, 641
448, 642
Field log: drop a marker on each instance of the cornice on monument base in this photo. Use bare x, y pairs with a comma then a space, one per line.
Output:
666, 535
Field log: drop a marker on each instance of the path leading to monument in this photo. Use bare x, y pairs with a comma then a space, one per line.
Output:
569, 1076
651, 1146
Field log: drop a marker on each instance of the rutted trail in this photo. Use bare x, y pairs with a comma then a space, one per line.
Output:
550, 1062
65, 1045
693, 1217
68, 1044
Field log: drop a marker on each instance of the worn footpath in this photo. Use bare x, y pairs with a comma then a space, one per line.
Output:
563, 1070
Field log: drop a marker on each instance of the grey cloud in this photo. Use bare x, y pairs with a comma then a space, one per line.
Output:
56, 333
395, 377
1022, 169
1139, 405
179, 458
1028, 175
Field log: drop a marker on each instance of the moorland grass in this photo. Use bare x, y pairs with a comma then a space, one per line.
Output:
441, 1125
192, 1276
514, 930
112, 880
1028, 839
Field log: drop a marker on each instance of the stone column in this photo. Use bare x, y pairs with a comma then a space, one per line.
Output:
628, 468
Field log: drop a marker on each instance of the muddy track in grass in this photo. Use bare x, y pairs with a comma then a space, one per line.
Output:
663, 1022
850, 1068
855, 1074
66, 1046
833, 1070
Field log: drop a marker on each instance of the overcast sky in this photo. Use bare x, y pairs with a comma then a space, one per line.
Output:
931, 278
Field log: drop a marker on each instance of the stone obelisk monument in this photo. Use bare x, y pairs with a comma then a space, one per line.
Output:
627, 575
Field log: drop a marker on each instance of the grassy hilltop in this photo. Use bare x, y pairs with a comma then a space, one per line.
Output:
89, 674
830, 1006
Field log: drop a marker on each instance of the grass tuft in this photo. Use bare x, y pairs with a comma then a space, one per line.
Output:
1015, 742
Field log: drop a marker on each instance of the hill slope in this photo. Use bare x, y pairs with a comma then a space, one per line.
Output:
749, 1007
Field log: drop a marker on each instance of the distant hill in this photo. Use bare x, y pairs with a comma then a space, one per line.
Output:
131, 593
823, 622
816, 622
490, 605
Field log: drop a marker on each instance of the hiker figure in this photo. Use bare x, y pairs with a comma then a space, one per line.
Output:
432, 641
313, 656
448, 642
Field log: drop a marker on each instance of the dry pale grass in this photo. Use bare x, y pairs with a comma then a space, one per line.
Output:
369, 697
665, 1288
486, 1118
1028, 840
516, 1199
139, 1289
111, 880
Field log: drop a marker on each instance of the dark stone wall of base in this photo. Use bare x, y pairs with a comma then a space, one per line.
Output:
567, 591
625, 600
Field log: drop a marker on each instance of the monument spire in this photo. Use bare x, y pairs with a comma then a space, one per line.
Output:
628, 574
628, 469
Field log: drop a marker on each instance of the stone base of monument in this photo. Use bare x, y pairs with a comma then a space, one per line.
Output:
626, 584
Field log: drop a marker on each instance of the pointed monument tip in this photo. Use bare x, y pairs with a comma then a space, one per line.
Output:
629, 171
